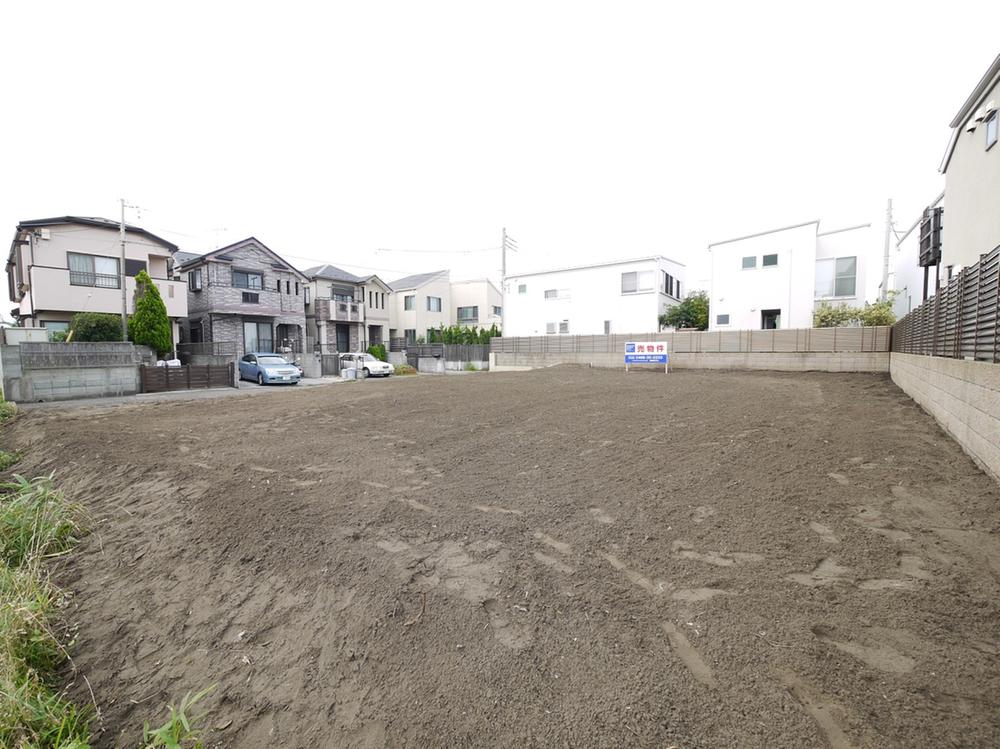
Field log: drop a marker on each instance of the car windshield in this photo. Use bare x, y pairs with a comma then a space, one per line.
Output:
271, 360
368, 357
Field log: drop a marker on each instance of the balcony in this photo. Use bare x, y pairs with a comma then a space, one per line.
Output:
336, 310
59, 289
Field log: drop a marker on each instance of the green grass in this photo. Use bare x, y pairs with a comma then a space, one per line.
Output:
8, 459
7, 410
470, 367
404, 369
35, 523
181, 731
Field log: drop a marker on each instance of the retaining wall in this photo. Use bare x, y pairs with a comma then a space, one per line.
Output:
963, 396
61, 371
841, 361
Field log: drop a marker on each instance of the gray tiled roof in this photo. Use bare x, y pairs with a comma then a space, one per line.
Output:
333, 273
181, 257
412, 282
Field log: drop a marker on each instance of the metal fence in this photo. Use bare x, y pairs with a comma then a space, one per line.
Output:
961, 321
796, 340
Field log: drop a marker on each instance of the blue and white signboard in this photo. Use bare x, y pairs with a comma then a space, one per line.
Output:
647, 352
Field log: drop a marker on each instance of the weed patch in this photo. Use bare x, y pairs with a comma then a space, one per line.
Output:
405, 369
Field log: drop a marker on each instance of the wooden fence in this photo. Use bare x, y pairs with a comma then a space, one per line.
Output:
961, 320
795, 340
186, 377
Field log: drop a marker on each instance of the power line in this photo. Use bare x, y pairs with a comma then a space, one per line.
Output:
441, 252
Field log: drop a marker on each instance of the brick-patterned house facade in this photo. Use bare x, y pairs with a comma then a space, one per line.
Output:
245, 294
346, 312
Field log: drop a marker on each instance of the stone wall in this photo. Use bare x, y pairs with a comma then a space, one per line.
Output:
35, 372
963, 396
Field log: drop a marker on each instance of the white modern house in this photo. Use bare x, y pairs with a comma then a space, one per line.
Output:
621, 296
60, 266
777, 278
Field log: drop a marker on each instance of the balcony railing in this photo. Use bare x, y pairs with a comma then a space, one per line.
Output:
100, 280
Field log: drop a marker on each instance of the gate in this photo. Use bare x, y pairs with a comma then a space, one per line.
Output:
186, 377
330, 364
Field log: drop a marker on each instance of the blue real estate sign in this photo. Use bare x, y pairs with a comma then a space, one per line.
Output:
646, 352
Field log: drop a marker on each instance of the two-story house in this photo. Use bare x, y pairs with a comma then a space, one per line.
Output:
345, 312
615, 297
245, 294
420, 304
776, 279
476, 303
60, 266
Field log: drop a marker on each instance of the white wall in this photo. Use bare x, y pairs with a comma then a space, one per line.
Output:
587, 298
971, 223
789, 286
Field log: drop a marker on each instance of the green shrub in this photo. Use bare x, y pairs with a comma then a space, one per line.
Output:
470, 367
149, 324
96, 327
378, 351
8, 410
404, 369
8, 459
690, 313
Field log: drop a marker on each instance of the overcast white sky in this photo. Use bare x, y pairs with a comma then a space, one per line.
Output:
590, 130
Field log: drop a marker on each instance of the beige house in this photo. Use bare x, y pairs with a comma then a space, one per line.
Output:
420, 304
345, 312
60, 266
971, 165
476, 303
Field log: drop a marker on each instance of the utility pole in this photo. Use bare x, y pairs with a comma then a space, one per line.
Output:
885, 260
121, 274
506, 243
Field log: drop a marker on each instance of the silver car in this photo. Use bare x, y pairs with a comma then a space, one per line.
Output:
266, 369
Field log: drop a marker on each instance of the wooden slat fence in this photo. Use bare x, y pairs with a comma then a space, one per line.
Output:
186, 377
961, 321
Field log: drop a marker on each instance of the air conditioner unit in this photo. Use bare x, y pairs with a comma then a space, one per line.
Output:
44, 234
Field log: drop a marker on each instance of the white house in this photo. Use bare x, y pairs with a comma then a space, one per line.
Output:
622, 296
68, 264
420, 304
777, 278
476, 302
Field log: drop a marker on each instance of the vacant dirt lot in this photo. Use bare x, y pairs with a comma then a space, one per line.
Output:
569, 557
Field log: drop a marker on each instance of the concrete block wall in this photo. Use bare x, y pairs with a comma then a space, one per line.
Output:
963, 396
858, 361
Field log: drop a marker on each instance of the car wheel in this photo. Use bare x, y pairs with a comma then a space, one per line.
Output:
260, 378
367, 373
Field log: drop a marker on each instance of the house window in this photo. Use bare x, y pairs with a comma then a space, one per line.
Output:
836, 277
132, 267
722, 319
251, 297
433, 304
768, 261
670, 285
991, 131
257, 337
678, 290
564, 326
246, 280
497, 311
636, 281
410, 335
308, 296
551, 293
54, 326
607, 327
371, 299
522, 288
408, 302
93, 270
550, 328
296, 288
288, 287
749, 262
194, 280
383, 300
468, 314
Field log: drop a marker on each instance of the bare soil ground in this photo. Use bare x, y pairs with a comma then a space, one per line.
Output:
568, 557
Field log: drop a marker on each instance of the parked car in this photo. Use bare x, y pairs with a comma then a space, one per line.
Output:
367, 364
265, 369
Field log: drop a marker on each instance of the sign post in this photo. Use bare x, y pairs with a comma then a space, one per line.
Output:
647, 352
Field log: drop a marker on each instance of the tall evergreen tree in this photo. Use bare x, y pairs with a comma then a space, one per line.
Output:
149, 324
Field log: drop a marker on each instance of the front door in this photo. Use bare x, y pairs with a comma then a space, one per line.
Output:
374, 335
343, 337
